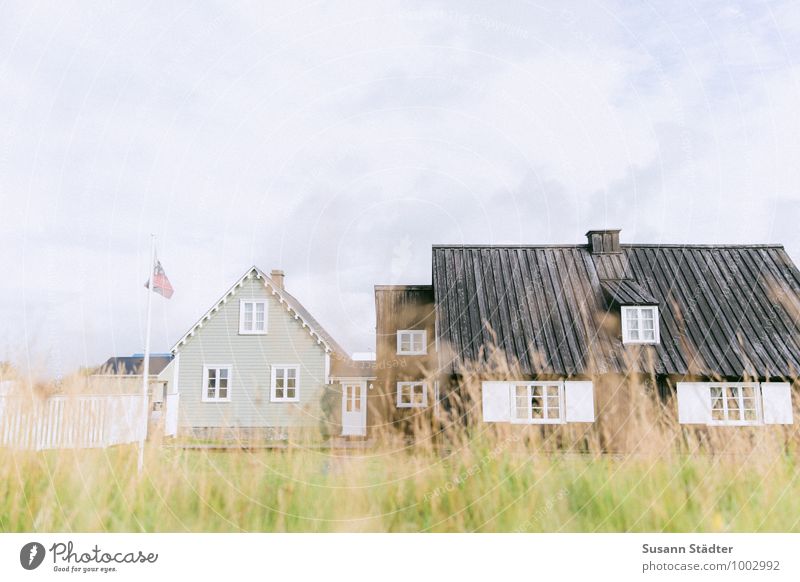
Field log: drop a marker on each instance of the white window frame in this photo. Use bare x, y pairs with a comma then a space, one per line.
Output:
401, 388
242, 329
412, 333
627, 310
217, 367
273, 387
530, 419
740, 401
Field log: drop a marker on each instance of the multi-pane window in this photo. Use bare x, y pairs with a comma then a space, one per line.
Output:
412, 394
252, 317
411, 342
352, 396
216, 383
285, 383
537, 403
640, 325
734, 404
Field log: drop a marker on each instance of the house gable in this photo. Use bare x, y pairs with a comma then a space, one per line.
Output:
291, 305
216, 346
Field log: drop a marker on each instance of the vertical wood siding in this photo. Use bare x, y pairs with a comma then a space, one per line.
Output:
729, 311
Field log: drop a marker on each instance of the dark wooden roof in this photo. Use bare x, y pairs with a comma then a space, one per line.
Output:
626, 292
729, 311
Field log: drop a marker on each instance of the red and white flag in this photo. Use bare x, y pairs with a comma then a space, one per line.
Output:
161, 284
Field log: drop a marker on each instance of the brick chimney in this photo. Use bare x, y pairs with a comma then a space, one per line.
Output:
277, 276
603, 241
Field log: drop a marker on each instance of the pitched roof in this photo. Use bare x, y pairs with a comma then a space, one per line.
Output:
626, 292
725, 310
290, 302
133, 365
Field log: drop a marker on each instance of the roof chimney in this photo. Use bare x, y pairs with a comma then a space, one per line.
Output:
277, 276
603, 241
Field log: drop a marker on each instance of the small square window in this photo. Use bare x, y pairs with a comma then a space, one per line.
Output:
252, 317
412, 342
640, 325
412, 394
285, 383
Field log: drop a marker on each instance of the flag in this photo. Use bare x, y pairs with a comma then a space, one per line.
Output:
161, 284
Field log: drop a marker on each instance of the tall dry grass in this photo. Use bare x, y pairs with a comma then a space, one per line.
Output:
634, 469
488, 484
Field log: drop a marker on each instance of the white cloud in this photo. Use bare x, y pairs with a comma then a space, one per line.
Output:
340, 143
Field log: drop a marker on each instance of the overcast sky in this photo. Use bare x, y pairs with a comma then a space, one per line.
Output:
338, 142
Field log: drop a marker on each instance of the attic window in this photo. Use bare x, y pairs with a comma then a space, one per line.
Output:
252, 317
640, 325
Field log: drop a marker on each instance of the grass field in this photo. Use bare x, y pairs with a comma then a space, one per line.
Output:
634, 469
485, 485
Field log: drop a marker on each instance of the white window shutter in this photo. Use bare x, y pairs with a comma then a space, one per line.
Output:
579, 398
777, 399
496, 402
694, 403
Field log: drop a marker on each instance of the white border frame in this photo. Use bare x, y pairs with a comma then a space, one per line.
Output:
756, 386
243, 331
399, 388
562, 408
204, 395
656, 325
424, 333
273, 369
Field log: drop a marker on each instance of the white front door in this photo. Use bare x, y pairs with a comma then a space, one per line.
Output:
354, 408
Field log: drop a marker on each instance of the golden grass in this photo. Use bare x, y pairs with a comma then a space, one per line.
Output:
635, 469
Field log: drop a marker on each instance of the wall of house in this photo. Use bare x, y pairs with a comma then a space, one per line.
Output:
401, 308
251, 357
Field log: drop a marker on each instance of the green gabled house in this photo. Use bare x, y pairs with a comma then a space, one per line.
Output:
258, 365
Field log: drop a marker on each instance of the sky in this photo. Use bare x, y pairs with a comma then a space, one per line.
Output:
339, 141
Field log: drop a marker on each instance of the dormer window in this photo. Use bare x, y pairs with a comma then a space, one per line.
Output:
252, 317
640, 324
412, 342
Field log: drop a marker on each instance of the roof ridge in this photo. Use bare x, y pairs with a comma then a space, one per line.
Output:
624, 245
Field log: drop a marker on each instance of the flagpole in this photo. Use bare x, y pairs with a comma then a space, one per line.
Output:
146, 367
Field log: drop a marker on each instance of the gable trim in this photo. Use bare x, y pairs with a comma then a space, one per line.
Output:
231, 292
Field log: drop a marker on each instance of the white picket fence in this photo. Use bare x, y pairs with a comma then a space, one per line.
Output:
67, 422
